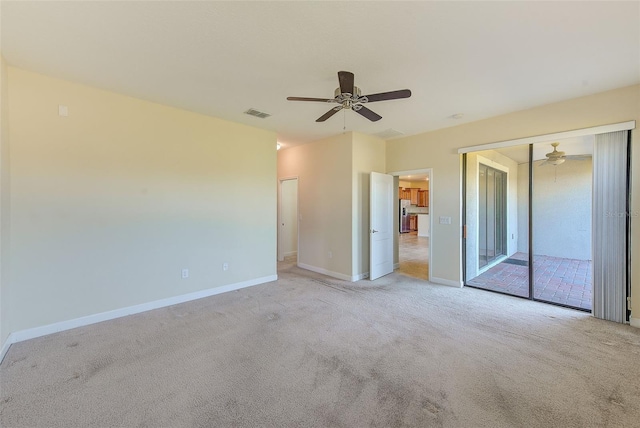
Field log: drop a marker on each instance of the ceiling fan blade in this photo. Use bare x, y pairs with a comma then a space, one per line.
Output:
328, 114
372, 116
385, 96
346, 81
321, 100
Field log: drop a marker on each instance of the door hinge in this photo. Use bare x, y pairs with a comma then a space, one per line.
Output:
464, 231
629, 303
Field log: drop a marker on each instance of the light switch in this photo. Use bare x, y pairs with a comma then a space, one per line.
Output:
445, 220
63, 110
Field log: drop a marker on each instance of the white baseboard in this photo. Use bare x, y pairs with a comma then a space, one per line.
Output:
5, 347
449, 282
360, 276
326, 272
291, 253
634, 322
32, 333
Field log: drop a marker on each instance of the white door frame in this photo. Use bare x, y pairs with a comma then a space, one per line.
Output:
280, 250
432, 240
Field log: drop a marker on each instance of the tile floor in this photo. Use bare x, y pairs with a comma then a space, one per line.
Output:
557, 280
413, 254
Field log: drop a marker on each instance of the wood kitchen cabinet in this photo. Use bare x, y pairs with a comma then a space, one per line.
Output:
423, 198
404, 193
414, 196
413, 222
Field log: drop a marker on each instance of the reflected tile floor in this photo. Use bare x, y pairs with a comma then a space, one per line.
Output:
413, 254
557, 280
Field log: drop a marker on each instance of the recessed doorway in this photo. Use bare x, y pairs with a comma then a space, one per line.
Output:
414, 223
288, 220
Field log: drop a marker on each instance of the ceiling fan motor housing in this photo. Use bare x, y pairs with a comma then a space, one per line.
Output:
349, 101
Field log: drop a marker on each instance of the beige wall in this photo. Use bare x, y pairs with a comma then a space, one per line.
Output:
368, 156
333, 201
562, 203
325, 200
4, 200
438, 150
111, 202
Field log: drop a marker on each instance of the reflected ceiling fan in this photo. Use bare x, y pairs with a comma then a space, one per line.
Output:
557, 157
348, 97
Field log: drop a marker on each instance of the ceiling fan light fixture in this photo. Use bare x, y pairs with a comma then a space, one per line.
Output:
557, 161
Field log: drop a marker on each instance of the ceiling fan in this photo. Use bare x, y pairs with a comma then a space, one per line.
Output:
349, 97
558, 157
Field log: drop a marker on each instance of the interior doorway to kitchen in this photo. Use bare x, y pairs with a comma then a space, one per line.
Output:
414, 223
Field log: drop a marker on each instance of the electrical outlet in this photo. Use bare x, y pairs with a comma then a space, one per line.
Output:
185, 273
330, 254
225, 266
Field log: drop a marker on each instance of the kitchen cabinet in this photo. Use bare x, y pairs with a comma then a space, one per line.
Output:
414, 196
404, 193
423, 198
413, 222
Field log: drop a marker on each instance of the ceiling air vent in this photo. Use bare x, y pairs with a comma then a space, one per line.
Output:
257, 113
388, 133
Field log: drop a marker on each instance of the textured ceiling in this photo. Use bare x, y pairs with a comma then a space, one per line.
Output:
220, 58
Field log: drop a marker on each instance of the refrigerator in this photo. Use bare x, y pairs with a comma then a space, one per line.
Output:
404, 215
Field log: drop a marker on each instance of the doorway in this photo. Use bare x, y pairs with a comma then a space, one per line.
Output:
529, 221
492, 210
288, 220
413, 225
559, 215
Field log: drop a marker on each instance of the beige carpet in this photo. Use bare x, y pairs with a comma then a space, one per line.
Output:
309, 351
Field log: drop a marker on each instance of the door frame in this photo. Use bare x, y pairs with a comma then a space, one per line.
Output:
530, 141
432, 240
280, 251
481, 160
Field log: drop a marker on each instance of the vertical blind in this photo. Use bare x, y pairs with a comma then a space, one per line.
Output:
610, 217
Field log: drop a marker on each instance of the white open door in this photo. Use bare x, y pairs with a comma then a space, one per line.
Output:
380, 225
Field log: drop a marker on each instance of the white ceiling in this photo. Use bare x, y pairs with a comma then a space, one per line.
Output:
220, 58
